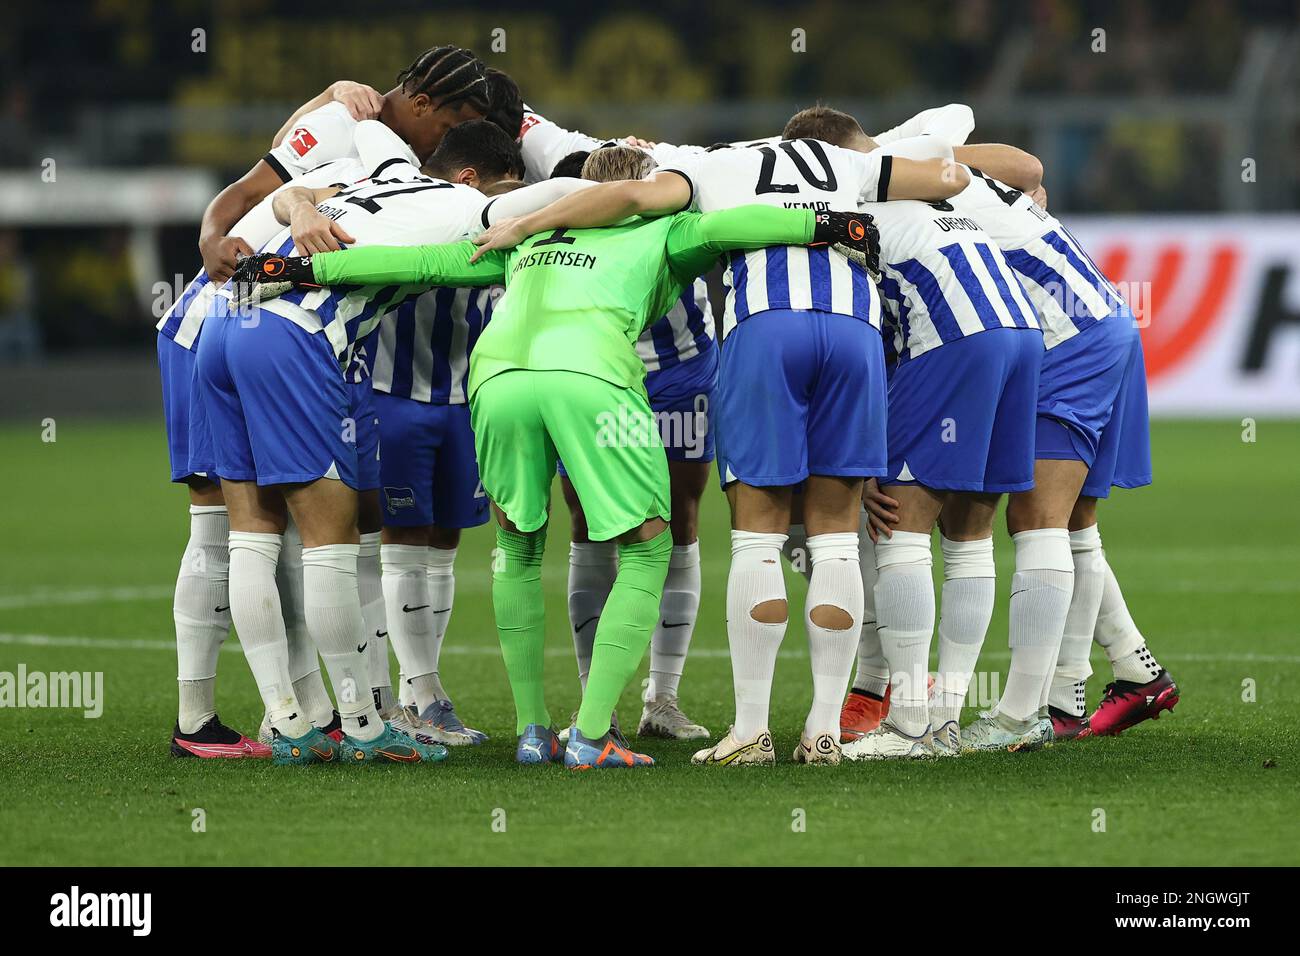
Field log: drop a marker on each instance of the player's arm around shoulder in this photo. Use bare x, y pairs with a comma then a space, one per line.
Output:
600, 205
929, 180
441, 264
312, 231
1008, 164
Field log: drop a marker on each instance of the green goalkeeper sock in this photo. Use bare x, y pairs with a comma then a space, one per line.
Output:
521, 621
624, 631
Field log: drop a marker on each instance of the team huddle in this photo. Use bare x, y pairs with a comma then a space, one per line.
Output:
420, 305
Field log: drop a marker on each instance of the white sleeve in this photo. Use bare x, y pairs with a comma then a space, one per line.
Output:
320, 136
382, 151
521, 202
918, 147
872, 170
951, 123
690, 167
544, 144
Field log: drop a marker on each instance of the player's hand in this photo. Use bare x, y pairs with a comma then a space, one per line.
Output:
505, 234
855, 232
363, 102
265, 275
881, 510
221, 254
1039, 196
313, 231
638, 142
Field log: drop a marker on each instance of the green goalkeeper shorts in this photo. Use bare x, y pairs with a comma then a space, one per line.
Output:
525, 421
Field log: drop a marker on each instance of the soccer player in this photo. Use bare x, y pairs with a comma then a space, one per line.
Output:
430, 478
443, 86
202, 607
557, 377
1092, 433
805, 316
961, 425
272, 380
681, 361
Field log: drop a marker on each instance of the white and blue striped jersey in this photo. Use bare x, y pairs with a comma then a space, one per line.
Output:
942, 277
407, 210
682, 334
423, 346
1063, 283
184, 319
799, 174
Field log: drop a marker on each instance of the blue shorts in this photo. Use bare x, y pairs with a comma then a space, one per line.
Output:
1078, 387
800, 393
1124, 458
188, 444
278, 408
961, 416
430, 475
682, 397
367, 433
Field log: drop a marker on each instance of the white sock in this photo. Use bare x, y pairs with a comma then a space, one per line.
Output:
255, 609
333, 608
1119, 635
872, 673
410, 617
370, 591
201, 611
677, 613
442, 595
1040, 600
1070, 679
755, 578
304, 662
969, 585
593, 566
905, 621
835, 582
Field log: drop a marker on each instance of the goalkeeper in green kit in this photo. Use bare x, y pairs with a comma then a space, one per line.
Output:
555, 375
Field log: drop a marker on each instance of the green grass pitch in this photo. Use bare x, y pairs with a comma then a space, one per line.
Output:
1208, 558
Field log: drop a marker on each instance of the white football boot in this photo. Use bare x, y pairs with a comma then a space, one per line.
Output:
408, 722
264, 733
663, 717
945, 739
732, 752
887, 742
997, 732
824, 750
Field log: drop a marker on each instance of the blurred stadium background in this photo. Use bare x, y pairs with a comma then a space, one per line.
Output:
1171, 140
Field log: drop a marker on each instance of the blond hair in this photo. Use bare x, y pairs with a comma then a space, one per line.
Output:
617, 162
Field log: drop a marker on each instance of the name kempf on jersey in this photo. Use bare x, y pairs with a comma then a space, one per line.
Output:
802, 173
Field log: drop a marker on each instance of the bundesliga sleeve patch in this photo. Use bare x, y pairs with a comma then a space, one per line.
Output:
302, 141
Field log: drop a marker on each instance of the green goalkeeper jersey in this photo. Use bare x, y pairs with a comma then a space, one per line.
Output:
576, 300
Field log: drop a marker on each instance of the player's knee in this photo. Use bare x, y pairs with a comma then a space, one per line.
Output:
770, 612
831, 618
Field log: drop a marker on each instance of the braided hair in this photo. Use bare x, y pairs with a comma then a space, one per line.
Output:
449, 75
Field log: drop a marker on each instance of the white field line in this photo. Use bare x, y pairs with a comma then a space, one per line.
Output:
51, 598
485, 650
